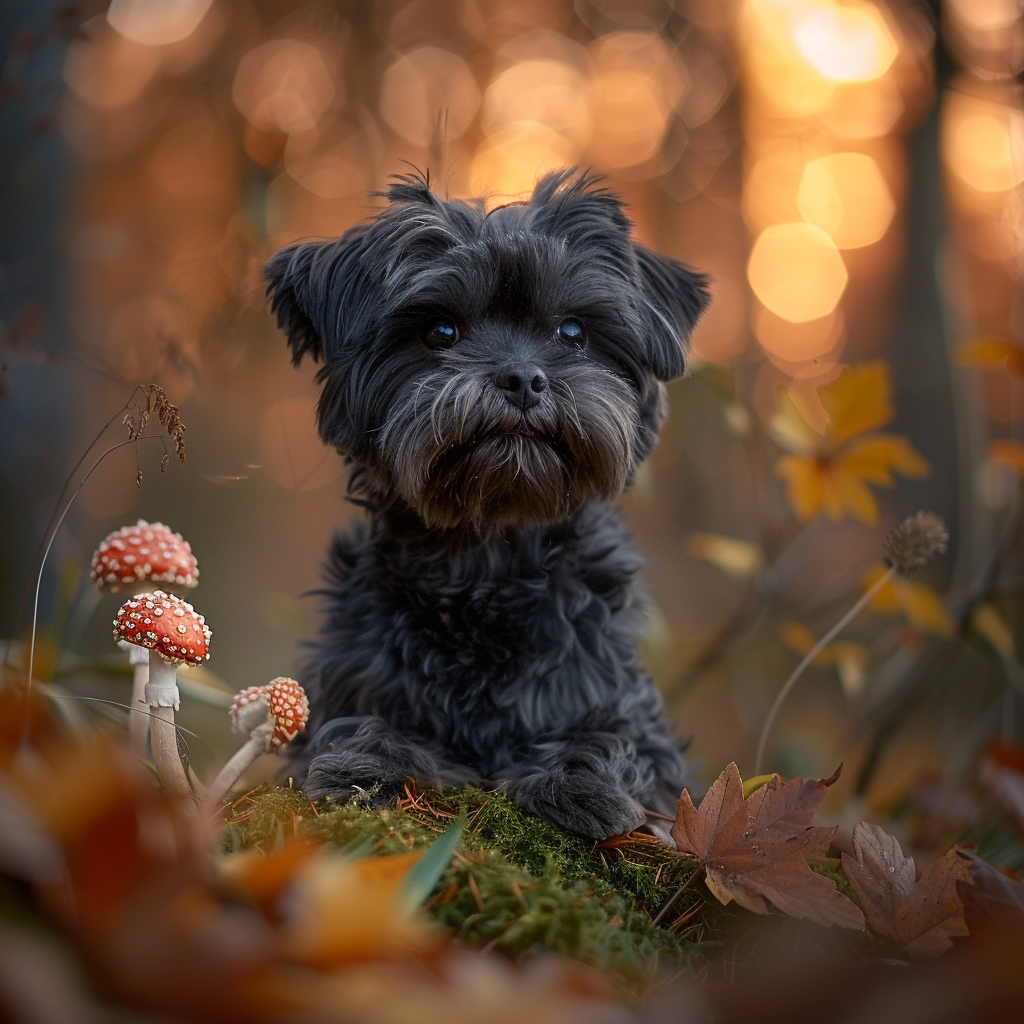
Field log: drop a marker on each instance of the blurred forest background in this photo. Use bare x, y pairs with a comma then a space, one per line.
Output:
849, 173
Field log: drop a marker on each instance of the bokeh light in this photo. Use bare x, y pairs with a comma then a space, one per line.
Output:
846, 196
847, 42
983, 142
797, 272
429, 96
284, 85
157, 22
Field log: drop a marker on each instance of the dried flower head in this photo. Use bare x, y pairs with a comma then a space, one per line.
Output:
915, 542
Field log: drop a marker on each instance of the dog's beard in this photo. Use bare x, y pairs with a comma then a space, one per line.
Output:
462, 455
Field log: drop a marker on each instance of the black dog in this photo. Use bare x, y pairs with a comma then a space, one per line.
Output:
494, 379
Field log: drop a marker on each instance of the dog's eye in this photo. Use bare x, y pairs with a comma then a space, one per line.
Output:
440, 334
571, 331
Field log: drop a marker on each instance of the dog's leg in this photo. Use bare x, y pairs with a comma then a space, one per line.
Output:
365, 753
590, 783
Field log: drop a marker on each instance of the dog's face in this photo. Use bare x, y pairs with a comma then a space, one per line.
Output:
490, 369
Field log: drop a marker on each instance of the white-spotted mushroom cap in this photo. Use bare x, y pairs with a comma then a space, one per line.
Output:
145, 552
165, 624
290, 708
249, 709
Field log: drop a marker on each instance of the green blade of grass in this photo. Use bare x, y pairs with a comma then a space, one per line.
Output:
431, 866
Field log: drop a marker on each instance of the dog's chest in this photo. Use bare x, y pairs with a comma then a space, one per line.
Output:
501, 647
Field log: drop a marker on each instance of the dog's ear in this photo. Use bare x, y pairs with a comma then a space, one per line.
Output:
289, 274
675, 296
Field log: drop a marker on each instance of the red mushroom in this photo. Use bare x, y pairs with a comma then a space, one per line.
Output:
141, 555
144, 552
270, 716
174, 633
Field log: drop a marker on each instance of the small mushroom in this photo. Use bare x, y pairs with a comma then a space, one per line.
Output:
270, 717
174, 633
141, 555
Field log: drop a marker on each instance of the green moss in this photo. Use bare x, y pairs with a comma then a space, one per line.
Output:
516, 883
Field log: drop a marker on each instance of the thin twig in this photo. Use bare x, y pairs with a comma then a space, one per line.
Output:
695, 875
49, 545
810, 656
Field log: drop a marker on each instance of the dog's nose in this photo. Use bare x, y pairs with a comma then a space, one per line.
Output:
523, 383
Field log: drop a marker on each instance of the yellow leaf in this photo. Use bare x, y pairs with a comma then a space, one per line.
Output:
987, 621
739, 559
851, 665
797, 636
789, 428
858, 400
992, 351
875, 456
918, 602
924, 608
804, 484
845, 492
1008, 453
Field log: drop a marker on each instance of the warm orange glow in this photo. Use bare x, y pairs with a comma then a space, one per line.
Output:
284, 85
988, 15
846, 196
983, 142
773, 180
291, 452
546, 92
780, 78
847, 42
797, 272
157, 22
107, 70
856, 112
429, 95
508, 163
195, 160
798, 342
330, 162
637, 82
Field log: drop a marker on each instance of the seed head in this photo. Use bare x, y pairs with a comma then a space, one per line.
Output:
915, 542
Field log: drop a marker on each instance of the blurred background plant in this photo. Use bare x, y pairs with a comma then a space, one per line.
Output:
851, 175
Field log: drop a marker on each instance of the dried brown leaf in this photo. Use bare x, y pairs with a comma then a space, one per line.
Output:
756, 849
920, 915
990, 899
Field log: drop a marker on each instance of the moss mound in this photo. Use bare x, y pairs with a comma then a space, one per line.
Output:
516, 883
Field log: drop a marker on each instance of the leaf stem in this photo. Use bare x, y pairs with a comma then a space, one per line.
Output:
810, 656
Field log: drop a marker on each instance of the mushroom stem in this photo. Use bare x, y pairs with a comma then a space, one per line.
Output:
138, 720
258, 743
162, 697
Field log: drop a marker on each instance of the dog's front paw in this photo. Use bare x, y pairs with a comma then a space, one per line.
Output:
344, 774
579, 801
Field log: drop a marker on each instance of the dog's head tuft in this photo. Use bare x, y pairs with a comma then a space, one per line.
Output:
492, 368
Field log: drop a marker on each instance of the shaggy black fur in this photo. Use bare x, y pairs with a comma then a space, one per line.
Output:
494, 377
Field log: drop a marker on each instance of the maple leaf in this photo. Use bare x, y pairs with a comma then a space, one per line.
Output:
755, 850
921, 915
830, 472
